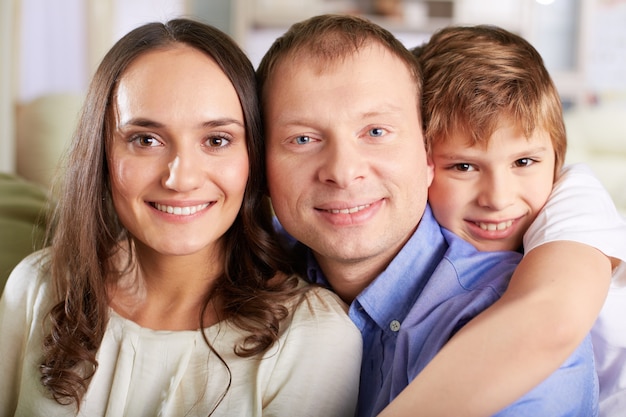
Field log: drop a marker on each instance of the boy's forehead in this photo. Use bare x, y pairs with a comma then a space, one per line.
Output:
465, 136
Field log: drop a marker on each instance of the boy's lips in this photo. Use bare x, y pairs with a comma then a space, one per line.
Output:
494, 230
489, 226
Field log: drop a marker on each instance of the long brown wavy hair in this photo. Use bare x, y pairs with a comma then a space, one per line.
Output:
85, 229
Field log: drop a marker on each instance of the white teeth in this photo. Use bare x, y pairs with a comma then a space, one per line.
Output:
495, 226
349, 210
180, 211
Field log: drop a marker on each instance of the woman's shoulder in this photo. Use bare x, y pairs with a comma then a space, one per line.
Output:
321, 299
27, 296
29, 275
317, 306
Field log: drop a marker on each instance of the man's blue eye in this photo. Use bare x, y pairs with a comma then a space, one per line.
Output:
302, 140
377, 132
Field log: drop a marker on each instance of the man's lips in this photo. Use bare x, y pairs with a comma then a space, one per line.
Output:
349, 213
350, 210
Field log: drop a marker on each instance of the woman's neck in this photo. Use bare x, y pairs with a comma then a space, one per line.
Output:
166, 292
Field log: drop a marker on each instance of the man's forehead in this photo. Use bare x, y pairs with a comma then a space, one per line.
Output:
321, 62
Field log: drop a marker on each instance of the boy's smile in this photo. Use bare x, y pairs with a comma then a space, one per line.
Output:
490, 194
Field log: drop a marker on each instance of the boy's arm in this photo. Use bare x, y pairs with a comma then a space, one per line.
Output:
551, 303
517, 342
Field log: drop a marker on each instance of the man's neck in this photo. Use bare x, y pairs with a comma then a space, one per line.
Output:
349, 279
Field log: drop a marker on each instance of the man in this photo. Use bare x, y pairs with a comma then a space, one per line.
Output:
348, 177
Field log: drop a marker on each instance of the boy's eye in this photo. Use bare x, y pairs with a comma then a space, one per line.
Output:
524, 162
376, 132
463, 167
302, 140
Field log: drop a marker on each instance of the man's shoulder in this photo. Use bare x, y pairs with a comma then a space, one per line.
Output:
477, 269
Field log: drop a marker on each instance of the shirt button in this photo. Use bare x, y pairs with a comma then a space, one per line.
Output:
394, 325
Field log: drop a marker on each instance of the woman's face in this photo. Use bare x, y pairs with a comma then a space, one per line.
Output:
178, 159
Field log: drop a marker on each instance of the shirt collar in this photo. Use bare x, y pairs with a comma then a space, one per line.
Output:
394, 291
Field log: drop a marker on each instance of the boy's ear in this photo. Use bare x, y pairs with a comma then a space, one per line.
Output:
430, 167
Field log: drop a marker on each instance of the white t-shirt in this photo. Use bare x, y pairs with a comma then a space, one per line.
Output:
313, 370
581, 210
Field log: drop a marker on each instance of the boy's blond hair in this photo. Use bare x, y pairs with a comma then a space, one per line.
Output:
476, 77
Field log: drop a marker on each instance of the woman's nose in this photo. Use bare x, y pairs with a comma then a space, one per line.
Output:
184, 173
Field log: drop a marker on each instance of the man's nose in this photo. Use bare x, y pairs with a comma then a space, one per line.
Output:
343, 163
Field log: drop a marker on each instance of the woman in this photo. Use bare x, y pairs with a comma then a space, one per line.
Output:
163, 291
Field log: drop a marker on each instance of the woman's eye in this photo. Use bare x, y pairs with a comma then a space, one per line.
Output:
218, 142
145, 141
376, 132
302, 140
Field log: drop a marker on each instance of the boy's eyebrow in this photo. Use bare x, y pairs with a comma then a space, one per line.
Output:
469, 153
531, 151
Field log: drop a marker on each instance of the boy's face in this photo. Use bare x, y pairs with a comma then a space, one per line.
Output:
347, 167
489, 195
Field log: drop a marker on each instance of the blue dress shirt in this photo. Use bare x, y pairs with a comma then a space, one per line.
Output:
436, 284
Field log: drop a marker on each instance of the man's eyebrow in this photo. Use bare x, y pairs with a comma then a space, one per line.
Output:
389, 109
299, 120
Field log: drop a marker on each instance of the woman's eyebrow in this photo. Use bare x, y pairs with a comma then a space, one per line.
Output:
145, 122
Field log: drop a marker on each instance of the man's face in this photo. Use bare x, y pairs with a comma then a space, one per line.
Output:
347, 167
489, 195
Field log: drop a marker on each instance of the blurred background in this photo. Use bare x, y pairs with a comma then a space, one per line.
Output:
50, 48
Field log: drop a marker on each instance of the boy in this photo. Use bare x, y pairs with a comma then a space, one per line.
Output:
495, 133
348, 177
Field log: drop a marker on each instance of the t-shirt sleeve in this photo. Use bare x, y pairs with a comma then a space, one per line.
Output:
320, 361
581, 210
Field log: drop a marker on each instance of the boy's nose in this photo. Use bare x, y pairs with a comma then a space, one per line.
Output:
497, 192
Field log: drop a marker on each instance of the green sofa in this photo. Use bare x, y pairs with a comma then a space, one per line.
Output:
23, 208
